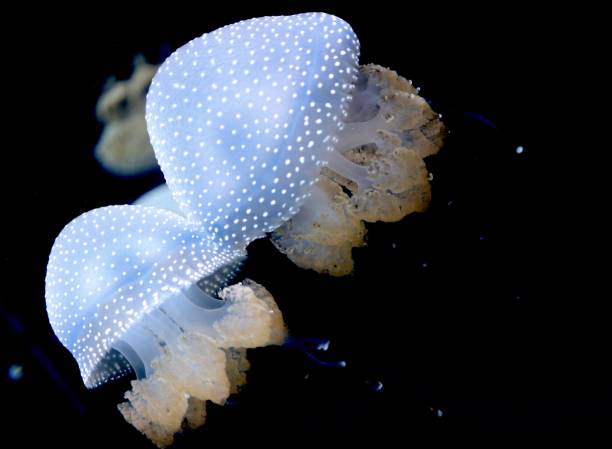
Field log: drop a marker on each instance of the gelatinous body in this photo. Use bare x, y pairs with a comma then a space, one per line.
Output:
111, 267
242, 118
376, 173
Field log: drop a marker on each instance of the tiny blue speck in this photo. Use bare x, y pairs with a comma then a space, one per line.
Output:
15, 372
519, 149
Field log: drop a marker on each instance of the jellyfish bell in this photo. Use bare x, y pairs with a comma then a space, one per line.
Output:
251, 111
98, 286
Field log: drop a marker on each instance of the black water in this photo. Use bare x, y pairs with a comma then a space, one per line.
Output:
472, 318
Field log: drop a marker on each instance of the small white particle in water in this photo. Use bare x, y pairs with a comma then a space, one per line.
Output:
519, 149
436, 411
430, 176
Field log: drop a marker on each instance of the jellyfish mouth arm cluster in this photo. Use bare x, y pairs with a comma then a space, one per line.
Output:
196, 363
375, 173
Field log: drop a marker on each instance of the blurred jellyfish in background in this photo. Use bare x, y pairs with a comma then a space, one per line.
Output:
265, 126
124, 148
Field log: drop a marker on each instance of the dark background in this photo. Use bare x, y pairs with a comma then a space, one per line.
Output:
475, 315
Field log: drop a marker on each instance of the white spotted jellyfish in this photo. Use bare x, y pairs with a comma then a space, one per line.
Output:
376, 172
256, 126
